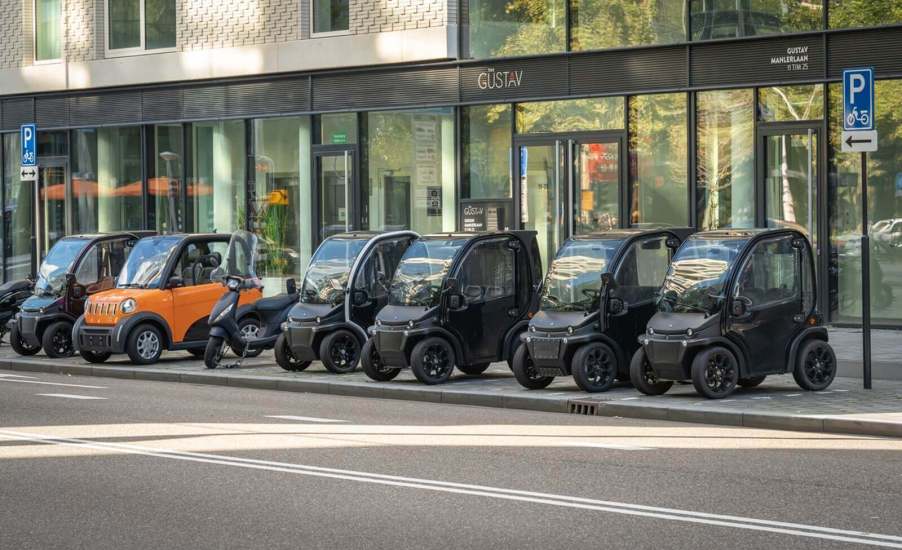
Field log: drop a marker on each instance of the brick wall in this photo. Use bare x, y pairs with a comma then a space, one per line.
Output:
396, 15
206, 24
78, 21
11, 54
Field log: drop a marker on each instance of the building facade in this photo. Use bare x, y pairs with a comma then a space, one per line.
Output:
302, 118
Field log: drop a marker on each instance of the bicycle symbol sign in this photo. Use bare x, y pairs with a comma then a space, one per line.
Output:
858, 99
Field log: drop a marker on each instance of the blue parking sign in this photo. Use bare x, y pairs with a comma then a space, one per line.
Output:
29, 139
858, 99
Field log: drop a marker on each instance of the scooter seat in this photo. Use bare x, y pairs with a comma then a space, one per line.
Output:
15, 286
276, 303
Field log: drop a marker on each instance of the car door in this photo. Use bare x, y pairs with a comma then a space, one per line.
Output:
638, 277
193, 300
369, 291
769, 284
487, 282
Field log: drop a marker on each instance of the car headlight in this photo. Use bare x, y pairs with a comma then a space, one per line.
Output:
651, 330
223, 313
128, 305
689, 332
569, 330
410, 324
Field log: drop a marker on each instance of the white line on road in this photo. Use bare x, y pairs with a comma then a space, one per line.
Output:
308, 419
612, 446
54, 384
69, 396
15, 376
689, 516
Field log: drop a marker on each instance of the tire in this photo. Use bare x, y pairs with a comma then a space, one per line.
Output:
643, 377
340, 352
285, 358
214, 351
715, 372
19, 345
57, 340
515, 346
373, 366
144, 345
815, 366
473, 370
96, 357
751, 381
594, 367
249, 327
525, 372
432, 361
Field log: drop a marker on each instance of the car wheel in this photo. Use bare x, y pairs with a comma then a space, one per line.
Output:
517, 342
432, 360
19, 345
214, 351
644, 378
715, 372
752, 381
373, 366
95, 356
473, 370
57, 340
248, 328
286, 359
525, 371
594, 367
815, 366
144, 345
340, 352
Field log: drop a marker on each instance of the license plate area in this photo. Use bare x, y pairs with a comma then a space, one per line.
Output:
546, 348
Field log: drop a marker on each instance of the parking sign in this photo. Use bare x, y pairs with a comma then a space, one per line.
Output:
29, 138
858, 99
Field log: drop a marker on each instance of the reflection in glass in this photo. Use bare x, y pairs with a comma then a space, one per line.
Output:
48, 29
330, 15
601, 24
18, 212
712, 19
159, 24
844, 14
726, 160
597, 187
164, 180
790, 182
334, 176
146, 261
486, 141
574, 278
542, 181
338, 128
329, 270
215, 192
791, 103
517, 27
659, 151
124, 24
696, 278
418, 279
571, 115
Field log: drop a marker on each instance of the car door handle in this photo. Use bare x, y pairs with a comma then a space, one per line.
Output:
512, 312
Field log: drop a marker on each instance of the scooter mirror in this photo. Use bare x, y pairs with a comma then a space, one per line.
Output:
291, 286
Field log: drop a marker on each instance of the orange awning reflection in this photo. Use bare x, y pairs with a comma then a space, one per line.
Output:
87, 188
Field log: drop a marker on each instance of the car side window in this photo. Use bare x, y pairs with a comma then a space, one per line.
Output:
198, 261
89, 269
383, 260
642, 270
488, 272
770, 274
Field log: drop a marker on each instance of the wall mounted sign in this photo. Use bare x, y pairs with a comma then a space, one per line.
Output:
795, 58
756, 61
517, 79
491, 79
485, 215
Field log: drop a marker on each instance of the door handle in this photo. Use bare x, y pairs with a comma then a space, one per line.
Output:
512, 312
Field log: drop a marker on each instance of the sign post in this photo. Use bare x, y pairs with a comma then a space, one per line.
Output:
28, 137
859, 136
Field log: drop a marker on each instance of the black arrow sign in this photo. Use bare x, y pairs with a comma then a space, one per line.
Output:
850, 141
30, 174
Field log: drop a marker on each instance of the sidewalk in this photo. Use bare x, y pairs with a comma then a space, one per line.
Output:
776, 404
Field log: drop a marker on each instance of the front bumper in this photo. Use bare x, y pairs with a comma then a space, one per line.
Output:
551, 353
668, 355
28, 327
302, 337
98, 339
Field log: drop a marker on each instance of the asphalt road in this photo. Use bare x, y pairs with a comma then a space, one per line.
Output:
105, 463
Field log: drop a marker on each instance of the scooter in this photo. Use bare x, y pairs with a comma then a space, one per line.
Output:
254, 327
12, 295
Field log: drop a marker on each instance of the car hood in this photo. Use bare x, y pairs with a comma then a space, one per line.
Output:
309, 312
400, 315
552, 321
37, 303
678, 323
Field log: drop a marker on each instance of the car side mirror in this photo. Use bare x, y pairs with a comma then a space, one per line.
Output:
455, 301
291, 286
78, 291
607, 280
359, 297
452, 286
616, 306
175, 282
672, 243
741, 306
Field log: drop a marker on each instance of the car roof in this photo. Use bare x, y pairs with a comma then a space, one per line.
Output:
625, 233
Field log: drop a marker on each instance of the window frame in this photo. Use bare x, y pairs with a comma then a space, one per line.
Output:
34, 36
798, 297
324, 34
636, 245
137, 50
504, 242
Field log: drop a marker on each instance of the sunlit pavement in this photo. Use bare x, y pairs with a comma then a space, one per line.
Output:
91, 462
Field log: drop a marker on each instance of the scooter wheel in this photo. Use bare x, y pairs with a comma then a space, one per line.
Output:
286, 359
643, 377
594, 367
432, 360
248, 328
57, 340
373, 366
715, 372
19, 345
95, 357
525, 371
340, 352
214, 351
815, 366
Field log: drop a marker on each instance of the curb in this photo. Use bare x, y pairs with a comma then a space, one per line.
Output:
529, 401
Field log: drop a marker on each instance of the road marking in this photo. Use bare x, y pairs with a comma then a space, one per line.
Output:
613, 446
629, 398
69, 396
793, 394
54, 384
672, 514
308, 419
15, 376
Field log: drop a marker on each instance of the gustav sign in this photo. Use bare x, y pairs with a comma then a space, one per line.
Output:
490, 79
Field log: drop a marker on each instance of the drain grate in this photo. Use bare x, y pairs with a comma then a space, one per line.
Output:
587, 409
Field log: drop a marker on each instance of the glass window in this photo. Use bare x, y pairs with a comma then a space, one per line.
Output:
486, 139
198, 262
488, 272
642, 270
726, 170
791, 103
410, 171
130, 28
712, 19
884, 213
375, 274
770, 274
572, 115
697, 274
574, 277
48, 29
600, 24
18, 212
338, 129
107, 192
419, 277
164, 183
330, 15
517, 27
864, 13
216, 177
281, 205
659, 153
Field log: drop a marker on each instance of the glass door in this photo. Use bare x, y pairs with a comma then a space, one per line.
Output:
50, 205
596, 188
543, 181
336, 191
790, 181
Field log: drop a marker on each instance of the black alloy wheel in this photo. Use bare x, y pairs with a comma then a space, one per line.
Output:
432, 360
340, 352
594, 367
815, 366
715, 372
373, 365
57, 340
525, 370
643, 376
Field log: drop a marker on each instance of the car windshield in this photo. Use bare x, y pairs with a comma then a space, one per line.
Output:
146, 262
58, 263
329, 270
418, 280
695, 280
574, 278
